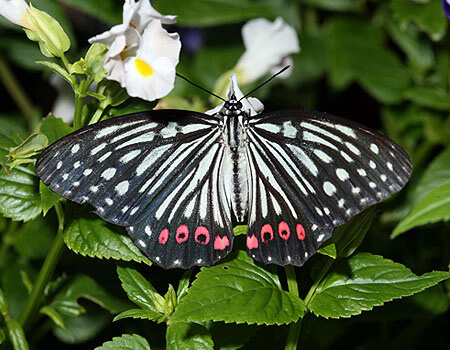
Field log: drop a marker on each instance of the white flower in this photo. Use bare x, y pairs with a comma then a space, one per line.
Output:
142, 55
150, 74
251, 105
15, 11
267, 48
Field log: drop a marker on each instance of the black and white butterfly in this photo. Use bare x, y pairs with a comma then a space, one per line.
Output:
180, 180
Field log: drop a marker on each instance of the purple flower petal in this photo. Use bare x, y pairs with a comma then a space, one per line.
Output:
446, 7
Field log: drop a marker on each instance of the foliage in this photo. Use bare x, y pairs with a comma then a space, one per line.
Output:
67, 277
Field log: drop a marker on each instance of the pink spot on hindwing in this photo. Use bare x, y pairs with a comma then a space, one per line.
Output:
266, 233
182, 234
283, 230
252, 242
300, 232
201, 235
220, 243
163, 236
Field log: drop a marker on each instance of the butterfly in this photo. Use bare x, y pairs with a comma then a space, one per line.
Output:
179, 181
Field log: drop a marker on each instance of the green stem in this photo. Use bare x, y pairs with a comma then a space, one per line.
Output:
294, 329
15, 89
79, 95
313, 288
46, 272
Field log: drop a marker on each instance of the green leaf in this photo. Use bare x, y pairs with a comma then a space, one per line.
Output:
430, 97
436, 174
429, 17
434, 207
185, 336
56, 68
91, 236
126, 341
347, 238
54, 128
82, 286
131, 105
22, 52
240, 230
138, 289
54, 315
238, 291
15, 126
202, 13
16, 335
183, 285
363, 281
19, 195
48, 197
141, 314
365, 58
2, 336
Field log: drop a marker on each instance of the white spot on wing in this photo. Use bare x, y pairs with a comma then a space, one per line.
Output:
389, 165
98, 148
76, 164
319, 238
342, 174
109, 201
170, 130
372, 164
374, 148
109, 173
322, 156
362, 172
122, 187
104, 157
87, 172
142, 243
289, 130
75, 148
130, 156
58, 166
329, 188
94, 189
273, 128
353, 148
151, 159
303, 157
65, 176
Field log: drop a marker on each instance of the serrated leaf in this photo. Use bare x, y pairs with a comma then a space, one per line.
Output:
34, 239
201, 13
186, 336
141, 314
348, 237
363, 281
54, 315
48, 197
183, 285
54, 128
91, 236
82, 286
125, 342
238, 291
434, 207
19, 195
16, 335
138, 289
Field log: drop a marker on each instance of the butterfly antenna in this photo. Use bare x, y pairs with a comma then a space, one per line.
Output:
264, 83
201, 87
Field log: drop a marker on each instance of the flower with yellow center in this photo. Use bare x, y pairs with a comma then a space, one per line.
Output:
142, 55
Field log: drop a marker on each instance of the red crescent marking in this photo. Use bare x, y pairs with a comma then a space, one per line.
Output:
283, 230
300, 232
252, 242
163, 236
202, 231
220, 243
182, 234
266, 229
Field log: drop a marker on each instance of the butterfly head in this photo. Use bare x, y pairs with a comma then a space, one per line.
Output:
232, 106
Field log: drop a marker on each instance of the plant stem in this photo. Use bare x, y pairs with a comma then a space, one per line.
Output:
15, 89
313, 288
294, 329
46, 272
79, 95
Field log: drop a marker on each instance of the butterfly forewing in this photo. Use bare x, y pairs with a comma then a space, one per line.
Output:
312, 172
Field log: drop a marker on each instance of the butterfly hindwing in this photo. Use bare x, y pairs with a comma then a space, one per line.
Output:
317, 171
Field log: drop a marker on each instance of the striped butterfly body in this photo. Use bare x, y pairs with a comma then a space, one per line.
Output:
180, 180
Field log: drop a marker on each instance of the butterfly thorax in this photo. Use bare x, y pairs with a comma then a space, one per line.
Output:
235, 165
